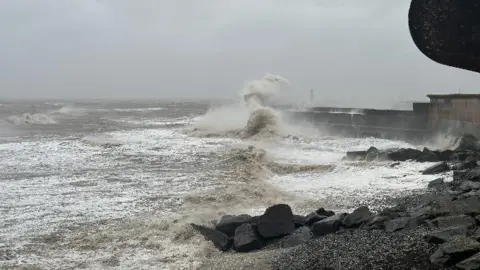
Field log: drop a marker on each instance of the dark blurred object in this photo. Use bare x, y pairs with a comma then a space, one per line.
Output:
447, 31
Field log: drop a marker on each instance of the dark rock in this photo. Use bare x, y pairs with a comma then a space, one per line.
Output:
219, 239
446, 234
447, 207
392, 213
228, 224
313, 217
276, 221
246, 239
476, 235
396, 224
472, 205
404, 154
372, 154
467, 186
360, 216
394, 164
376, 223
356, 155
437, 168
469, 163
456, 250
460, 175
445, 155
471, 263
467, 142
323, 212
473, 175
298, 237
437, 183
427, 156
328, 225
459, 220
439, 258
299, 221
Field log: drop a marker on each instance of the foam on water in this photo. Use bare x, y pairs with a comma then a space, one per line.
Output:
124, 198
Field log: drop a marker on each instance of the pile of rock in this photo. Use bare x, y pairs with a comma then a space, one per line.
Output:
451, 219
468, 146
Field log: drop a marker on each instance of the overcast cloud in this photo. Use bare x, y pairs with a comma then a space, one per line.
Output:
352, 52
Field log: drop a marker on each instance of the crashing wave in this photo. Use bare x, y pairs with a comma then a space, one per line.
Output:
249, 119
31, 119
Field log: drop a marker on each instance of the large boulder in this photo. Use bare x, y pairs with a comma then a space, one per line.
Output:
218, 238
298, 237
427, 155
327, 225
454, 251
467, 142
357, 218
313, 217
437, 168
228, 224
471, 263
396, 224
455, 221
276, 221
446, 234
246, 239
404, 154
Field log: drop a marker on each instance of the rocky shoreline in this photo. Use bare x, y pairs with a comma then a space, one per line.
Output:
437, 230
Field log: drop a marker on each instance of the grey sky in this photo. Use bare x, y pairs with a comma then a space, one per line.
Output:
358, 51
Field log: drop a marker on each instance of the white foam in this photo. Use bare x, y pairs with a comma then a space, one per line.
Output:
31, 119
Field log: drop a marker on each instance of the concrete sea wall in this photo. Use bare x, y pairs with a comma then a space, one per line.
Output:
352, 122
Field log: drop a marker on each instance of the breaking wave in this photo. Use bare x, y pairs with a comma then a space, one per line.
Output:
31, 119
252, 117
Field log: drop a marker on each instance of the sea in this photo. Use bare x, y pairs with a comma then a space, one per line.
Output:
116, 184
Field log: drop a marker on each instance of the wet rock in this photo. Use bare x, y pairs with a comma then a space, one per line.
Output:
298, 237
395, 164
427, 156
469, 163
445, 155
228, 223
358, 217
437, 183
356, 155
467, 142
323, 212
219, 239
467, 186
299, 221
472, 263
372, 154
437, 168
392, 213
276, 221
328, 225
376, 223
459, 220
472, 205
472, 175
476, 235
460, 175
404, 154
446, 234
246, 239
396, 224
313, 217
456, 250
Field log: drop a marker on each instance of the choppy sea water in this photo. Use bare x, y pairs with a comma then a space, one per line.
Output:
99, 185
